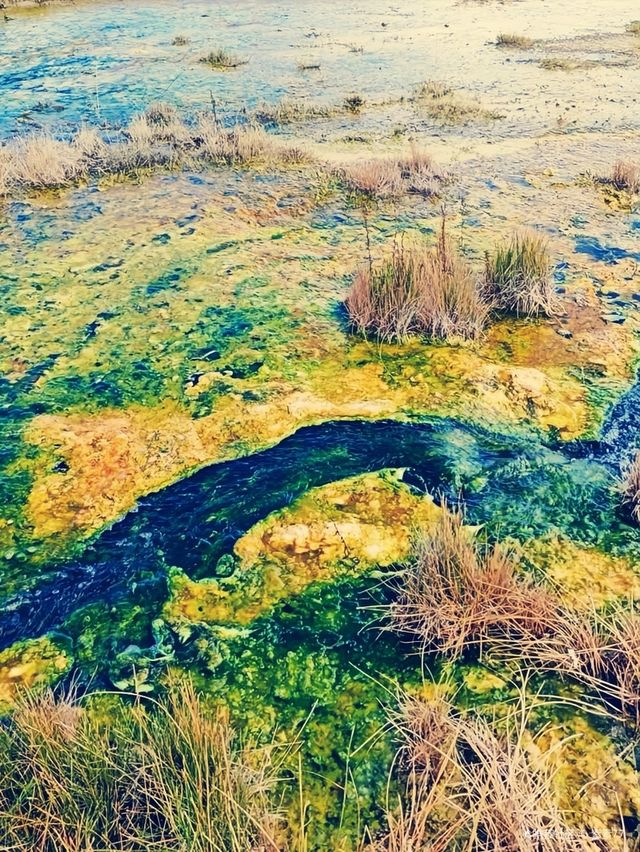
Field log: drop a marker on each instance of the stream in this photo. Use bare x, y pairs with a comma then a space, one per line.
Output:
511, 483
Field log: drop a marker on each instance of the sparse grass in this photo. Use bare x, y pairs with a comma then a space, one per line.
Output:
512, 40
626, 176
222, 59
443, 104
518, 275
418, 291
550, 63
290, 110
456, 593
633, 27
161, 776
156, 138
180, 41
467, 786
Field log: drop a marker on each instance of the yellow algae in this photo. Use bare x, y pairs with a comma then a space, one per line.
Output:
584, 576
594, 785
28, 664
343, 528
479, 679
116, 456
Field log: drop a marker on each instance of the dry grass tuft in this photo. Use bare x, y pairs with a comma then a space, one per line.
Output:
180, 41
221, 59
390, 178
465, 786
155, 138
518, 275
421, 291
626, 175
633, 27
168, 777
456, 594
513, 40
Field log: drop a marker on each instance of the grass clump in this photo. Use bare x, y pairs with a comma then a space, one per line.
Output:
455, 594
455, 597
290, 110
469, 784
518, 275
168, 775
354, 103
512, 40
633, 27
180, 41
418, 291
390, 178
222, 59
625, 176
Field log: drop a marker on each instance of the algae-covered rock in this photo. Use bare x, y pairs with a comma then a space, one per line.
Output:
32, 664
345, 528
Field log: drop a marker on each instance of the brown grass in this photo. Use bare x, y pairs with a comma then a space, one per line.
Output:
625, 175
467, 787
155, 138
391, 178
170, 777
456, 593
512, 40
418, 291
518, 275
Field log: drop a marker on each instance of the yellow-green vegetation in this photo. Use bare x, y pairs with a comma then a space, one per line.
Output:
634, 27
30, 665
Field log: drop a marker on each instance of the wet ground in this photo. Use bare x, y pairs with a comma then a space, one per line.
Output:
202, 469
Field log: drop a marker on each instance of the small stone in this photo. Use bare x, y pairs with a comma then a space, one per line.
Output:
564, 332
